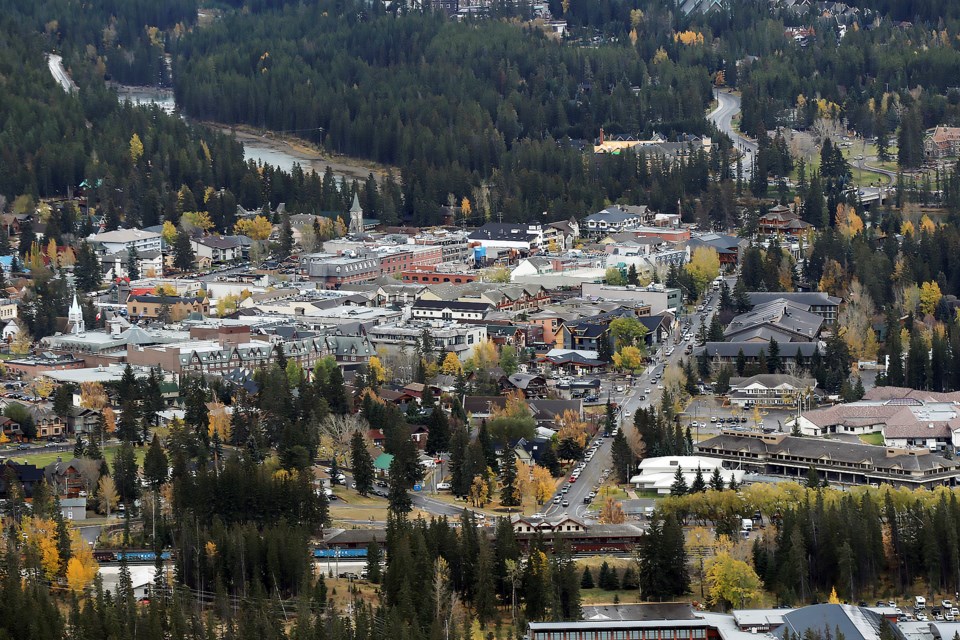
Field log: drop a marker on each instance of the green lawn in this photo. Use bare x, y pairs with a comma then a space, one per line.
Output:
873, 438
43, 459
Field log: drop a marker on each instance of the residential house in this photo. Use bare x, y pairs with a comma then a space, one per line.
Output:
781, 220
217, 249
26, 475
532, 385
73, 479
615, 219
727, 247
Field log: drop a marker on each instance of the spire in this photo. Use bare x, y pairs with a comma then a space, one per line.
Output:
356, 217
75, 318
355, 207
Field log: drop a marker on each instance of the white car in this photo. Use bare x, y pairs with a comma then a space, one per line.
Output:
443, 486
539, 514
647, 390
626, 413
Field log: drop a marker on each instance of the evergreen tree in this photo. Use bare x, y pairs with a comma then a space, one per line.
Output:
774, 362
128, 424
549, 460
336, 393
484, 596
133, 264
374, 562
63, 401
509, 496
79, 448
438, 435
622, 457
183, 257
459, 479
813, 478
699, 484
586, 580
361, 463
286, 236
398, 497
679, 486
716, 480
604, 352
895, 371
632, 276
741, 362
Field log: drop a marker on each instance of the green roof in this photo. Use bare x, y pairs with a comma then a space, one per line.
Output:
383, 461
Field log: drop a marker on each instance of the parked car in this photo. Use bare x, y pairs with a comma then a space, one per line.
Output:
443, 486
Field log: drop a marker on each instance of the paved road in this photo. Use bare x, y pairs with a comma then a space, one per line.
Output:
55, 64
629, 402
728, 106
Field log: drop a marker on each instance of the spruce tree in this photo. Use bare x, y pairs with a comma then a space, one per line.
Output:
361, 463
374, 562
679, 486
699, 485
716, 480
509, 496
438, 434
622, 457
156, 464
586, 580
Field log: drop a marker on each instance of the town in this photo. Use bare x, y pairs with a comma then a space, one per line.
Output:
556, 321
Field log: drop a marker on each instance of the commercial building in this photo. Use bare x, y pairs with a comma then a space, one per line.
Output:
659, 297
615, 219
424, 309
839, 461
174, 307
126, 239
332, 272
658, 474
779, 319
523, 238
818, 302
622, 630
396, 260
437, 274
447, 336
770, 390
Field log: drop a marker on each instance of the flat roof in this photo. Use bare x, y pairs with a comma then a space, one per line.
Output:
111, 373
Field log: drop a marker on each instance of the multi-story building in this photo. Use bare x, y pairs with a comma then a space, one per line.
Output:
126, 239
658, 297
150, 306
942, 142
449, 310
615, 219
437, 274
447, 336
454, 245
524, 238
216, 249
331, 272
396, 260
818, 302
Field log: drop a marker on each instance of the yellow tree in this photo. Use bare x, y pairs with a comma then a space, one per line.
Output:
628, 358
257, 228
571, 426
732, 582
219, 422
466, 209
479, 491
227, 304
451, 365
833, 280
52, 252
109, 420
93, 396
169, 233
483, 356
340, 227
524, 482
197, 219
704, 266
107, 491
22, 341
42, 387
926, 224
136, 148
40, 534
929, 297
612, 512
543, 484
376, 370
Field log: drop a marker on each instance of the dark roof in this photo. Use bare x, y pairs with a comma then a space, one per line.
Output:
219, 243
482, 404
752, 349
855, 623
453, 305
807, 298
165, 299
356, 536
549, 409
503, 231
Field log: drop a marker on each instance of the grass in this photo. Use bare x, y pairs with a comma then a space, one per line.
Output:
43, 459
872, 438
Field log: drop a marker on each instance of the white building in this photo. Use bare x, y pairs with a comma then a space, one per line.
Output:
216, 249
150, 264
659, 473
126, 239
520, 237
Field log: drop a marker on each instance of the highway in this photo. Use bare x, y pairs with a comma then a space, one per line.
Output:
728, 106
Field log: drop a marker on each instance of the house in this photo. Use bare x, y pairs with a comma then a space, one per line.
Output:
727, 247
781, 220
81, 420
122, 240
771, 390
574, 362
382, 464
942, 142
615, 219
70, 479
531, 385
73, 508
546, 411
26, 475
217, 249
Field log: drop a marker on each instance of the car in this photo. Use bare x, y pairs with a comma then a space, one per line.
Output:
349, 575
573, 479
946, 604
587, 499
620, 388
565, 503
539, 514
627, 413
592, 494
82, 494
743, 419
713, 419
565, 488
443, 486
647, 390
660, 386
556, 500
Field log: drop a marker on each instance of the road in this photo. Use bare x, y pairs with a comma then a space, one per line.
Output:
728, 106
630, 401
55, 64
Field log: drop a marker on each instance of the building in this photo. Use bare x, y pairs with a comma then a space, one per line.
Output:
453, 244
781, 220
8, 310
436, 274
727, 247
524, 238
424, 309
29, 367
942, 142
217, 249
658, 474
122, 240
396, 260
779, 319
116, 265
822, 304
838, 461
447, 336
770, 390
332, 272
660, 298
615, 219
697, 629
580, 536
356, 217
173, 307
792, 354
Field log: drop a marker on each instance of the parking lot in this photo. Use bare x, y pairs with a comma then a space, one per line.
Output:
705, 407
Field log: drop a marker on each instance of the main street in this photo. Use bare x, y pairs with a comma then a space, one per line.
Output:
629, 401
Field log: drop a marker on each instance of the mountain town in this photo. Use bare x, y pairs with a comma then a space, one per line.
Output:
480, 320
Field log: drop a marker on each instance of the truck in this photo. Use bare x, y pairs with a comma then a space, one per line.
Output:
919, 603
746, 524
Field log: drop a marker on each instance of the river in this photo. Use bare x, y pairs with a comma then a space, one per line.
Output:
259, 148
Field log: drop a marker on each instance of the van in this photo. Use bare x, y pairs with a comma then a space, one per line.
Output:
919, 603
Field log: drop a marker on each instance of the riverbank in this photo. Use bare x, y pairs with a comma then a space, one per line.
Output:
283, 150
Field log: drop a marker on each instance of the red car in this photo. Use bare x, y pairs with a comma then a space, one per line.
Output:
573, 479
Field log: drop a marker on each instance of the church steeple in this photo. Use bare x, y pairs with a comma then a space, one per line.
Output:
75, 318
356, 217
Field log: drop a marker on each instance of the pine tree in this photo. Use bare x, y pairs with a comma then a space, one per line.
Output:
155, 464
459, 479
133, 264
632, 276
741, 363
774, 362
128, 425
79, 448
586, 580
699, 485
716, 480
374, 562
604, 352
508, 479
679, 486
484, 597
286, 236
622, 457
438, 434
183, 256
362, 464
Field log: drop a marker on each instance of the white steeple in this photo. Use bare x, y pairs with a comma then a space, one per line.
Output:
75, 318
356, 217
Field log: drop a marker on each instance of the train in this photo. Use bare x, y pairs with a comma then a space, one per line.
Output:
339, 553
134, 555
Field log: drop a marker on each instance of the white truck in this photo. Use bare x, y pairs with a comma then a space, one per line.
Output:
746, 524
919, 603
